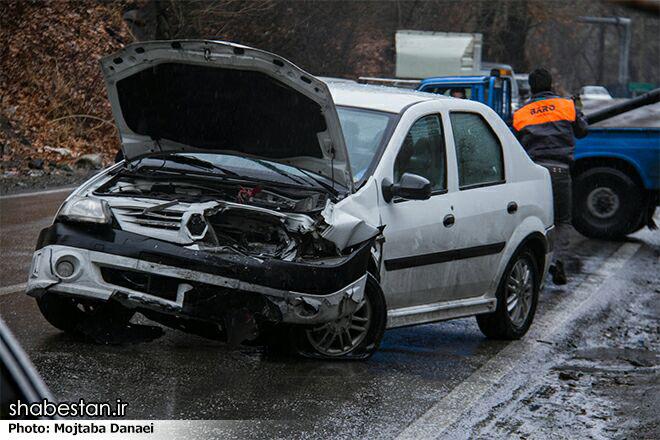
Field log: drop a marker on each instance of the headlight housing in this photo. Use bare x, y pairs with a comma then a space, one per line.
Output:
86, 210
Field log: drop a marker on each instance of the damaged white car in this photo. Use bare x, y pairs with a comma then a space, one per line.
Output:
254, 198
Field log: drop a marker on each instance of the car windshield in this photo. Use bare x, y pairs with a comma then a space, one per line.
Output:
365, 133
595, 91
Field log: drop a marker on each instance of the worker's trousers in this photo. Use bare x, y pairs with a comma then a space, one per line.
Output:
562, 190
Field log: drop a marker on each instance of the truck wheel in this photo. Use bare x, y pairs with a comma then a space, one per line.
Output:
517, 297
638, 224
608, 203
354, 337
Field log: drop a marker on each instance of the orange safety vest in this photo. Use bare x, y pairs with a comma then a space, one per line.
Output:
543, 111
546, 127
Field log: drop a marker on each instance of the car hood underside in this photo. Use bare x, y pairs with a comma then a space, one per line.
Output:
216, 96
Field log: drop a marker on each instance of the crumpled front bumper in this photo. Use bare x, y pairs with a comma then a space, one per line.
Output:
191, 293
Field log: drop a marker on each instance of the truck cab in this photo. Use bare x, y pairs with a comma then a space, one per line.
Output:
492, 90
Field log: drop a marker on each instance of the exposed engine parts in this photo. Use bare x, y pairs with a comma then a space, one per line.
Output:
257, 221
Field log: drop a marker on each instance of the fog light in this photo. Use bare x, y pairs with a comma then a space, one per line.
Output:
64, 268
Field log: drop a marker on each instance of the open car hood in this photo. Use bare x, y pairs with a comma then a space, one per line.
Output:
199, 95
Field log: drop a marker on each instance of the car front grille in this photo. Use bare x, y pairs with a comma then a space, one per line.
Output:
164, 219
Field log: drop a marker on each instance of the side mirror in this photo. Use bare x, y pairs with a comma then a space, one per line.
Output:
410, 187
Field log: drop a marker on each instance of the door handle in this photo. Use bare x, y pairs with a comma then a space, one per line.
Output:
511, 207
449, 220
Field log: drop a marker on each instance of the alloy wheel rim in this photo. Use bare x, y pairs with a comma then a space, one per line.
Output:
339, 337
519, 292
603, 203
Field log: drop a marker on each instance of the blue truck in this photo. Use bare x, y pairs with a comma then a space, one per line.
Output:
492, 90
616, 174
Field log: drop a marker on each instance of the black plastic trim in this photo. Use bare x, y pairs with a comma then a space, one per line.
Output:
443, 257
436, 192
316, 278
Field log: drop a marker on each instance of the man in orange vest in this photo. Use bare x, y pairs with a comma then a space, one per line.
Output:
548, 124
547, 127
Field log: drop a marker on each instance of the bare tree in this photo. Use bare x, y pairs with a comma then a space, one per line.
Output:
352, 38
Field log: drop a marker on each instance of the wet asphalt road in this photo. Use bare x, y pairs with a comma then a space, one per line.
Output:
21, 219
184, 376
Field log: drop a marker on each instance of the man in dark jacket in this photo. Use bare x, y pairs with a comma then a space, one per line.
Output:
548, 124
547, 127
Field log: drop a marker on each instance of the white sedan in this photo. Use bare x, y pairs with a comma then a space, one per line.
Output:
595, 93
255, 199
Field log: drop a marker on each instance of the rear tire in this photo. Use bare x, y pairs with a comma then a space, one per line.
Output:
608, 204
343, 339
517, 298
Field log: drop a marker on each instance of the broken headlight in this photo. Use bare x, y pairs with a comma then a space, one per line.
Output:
87, 210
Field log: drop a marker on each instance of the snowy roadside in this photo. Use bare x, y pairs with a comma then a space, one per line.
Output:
603, 386
600, 382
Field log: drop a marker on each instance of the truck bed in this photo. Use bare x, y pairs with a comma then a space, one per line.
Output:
643, 117
638, 146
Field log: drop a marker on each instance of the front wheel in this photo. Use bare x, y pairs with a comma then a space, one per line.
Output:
356, 336
68, 313
517, 298
608, 204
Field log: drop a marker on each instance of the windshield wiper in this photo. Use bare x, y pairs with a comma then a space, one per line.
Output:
295, 178
300, 181
196, 162
318, 180
279, 171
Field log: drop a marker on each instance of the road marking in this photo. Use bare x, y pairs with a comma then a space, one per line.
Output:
12, 289
38, 193
468, 393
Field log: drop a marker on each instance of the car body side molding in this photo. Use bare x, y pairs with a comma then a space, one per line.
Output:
443, 257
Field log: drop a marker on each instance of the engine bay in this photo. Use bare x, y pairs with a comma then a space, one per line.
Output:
257, 220
188, 190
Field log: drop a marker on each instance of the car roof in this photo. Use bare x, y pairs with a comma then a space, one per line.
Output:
383, 98
335, 79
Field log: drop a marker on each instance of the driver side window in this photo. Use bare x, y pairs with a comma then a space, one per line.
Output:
423, 153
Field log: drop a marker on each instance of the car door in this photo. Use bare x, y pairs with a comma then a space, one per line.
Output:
414, 231
485, 208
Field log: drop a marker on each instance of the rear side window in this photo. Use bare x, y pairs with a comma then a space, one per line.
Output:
478, 151
423, 153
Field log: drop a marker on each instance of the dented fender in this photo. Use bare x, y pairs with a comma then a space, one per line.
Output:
354, 219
